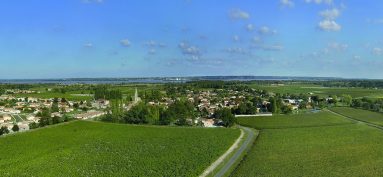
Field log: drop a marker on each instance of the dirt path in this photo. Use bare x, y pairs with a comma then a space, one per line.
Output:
235, 157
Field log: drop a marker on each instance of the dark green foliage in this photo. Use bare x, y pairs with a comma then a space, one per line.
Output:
102, 92
4, 130
228, 119
142, 114
15, 128
180, 112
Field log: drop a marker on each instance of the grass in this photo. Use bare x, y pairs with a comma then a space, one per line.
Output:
323, 118
84, 148
345, 150
359, 114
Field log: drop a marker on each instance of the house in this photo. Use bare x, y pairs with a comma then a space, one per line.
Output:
208, 123
5, 118
90, 114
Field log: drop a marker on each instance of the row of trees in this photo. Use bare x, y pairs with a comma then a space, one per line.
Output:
102, 92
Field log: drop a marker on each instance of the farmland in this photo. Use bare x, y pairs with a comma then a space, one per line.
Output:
344, 149
321, 91
362, 115
83, 148
293, 121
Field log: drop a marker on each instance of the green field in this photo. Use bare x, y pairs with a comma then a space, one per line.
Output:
323, 118
84, 148
359, 114
321, 91
300, 145
345, 150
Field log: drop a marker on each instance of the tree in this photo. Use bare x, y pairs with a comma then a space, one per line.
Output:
228, 119
15, 128
346, 99
4, 130
33, 125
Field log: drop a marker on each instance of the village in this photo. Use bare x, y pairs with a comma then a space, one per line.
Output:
24, 111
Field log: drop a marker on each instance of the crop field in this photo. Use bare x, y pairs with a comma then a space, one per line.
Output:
321, 91
322, 118
84, 148
359, 114
344, 150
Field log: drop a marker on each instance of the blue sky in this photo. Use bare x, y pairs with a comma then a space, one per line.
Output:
139, 38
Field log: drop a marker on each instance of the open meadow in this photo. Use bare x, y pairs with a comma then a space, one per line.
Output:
83, 148
339, 150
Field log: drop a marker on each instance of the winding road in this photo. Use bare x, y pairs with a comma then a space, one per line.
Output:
235, 157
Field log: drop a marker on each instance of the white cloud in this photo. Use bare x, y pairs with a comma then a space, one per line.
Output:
257, 39
337, 46
88, 45
287, 3
190, 50
236, 38
377, 51
330, 14
125, 42
275, 47
266, 30
236, 50
328, 2
239, 14
250, 27
329, 25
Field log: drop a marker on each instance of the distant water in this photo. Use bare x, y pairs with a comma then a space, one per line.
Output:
155, 80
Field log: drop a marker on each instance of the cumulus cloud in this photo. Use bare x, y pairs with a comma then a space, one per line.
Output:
250, 27
330, 14
328, 2
236, 50
125, 42
88, 45
236, 38
275, 47
329, 25
287, 3
337, 46
239, 14
266, 30
154, 44
256, 39
189, 50
377, 51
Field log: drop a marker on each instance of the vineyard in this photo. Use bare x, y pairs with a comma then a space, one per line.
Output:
101, 149
346, 149
293, 121
359, 114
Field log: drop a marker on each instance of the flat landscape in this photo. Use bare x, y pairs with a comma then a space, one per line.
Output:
83, 148
294, 121
359, 114
340, 150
